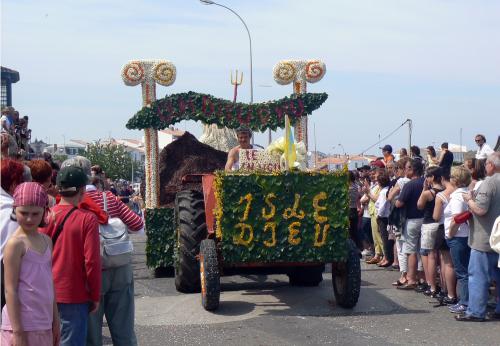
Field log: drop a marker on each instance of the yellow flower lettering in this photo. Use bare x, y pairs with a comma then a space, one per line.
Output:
270, 226
270, 215
241, 239
248, 197
317, 232
292, 212
317, 208
294, 231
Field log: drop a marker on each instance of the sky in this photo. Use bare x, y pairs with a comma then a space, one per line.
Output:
435, 62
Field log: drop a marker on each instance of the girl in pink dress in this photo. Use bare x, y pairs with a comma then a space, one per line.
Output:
30, 316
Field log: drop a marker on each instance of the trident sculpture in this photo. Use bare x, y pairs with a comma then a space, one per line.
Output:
148, 73
236, 83
299, 72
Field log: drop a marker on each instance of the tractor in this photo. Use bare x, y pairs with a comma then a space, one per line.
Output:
252, 222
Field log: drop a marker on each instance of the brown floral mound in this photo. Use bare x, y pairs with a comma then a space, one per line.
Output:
184, 156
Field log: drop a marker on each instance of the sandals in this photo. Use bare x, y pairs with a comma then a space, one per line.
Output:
398, 283
374, 260
386, 265
407, 287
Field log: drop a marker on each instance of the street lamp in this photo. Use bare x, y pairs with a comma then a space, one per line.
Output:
340, 145
209, 2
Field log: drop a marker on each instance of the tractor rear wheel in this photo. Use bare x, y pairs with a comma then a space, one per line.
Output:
209, 275
191, 230
346, 278
306, 276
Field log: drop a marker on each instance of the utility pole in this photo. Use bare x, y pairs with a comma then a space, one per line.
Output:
133, 159
410, 126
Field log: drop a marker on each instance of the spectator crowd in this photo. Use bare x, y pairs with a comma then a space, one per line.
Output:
59, 276
432, 221
15, 133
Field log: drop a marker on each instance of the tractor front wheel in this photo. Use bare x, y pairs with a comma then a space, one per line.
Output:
209, 275
191, 230
346, 278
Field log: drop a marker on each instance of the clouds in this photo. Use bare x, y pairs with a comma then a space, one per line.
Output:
434, 60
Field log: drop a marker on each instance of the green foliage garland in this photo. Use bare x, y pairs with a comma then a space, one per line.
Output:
211, 110
232, 194
160, 230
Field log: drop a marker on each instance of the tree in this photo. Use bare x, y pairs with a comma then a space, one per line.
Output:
113, 159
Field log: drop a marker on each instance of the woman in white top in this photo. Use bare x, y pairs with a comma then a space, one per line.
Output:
457, 234
448, 278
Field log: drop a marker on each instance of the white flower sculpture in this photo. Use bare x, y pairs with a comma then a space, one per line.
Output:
288, 71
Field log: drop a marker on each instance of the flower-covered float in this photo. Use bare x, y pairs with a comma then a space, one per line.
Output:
281, 218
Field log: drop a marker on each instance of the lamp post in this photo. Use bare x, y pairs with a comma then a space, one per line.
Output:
340, 145
209, 2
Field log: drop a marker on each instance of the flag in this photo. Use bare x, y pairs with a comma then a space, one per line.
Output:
290, 154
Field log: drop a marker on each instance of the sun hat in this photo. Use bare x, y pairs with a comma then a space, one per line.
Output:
30, 194
70, 178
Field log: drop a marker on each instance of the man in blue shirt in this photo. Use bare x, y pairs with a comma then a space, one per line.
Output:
411, 232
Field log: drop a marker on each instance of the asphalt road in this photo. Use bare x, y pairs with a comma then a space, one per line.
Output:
265, 310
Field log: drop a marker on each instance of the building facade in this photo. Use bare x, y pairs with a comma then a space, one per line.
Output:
8, 78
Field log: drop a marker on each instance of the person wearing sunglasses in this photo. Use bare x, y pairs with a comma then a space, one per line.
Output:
483, 149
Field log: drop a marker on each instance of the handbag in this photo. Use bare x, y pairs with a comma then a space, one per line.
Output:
116, 247
462, 217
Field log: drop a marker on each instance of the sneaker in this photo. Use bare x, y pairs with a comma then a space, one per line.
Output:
457, 308
436, 293
422, 287
430, 293
367, 253
468, 318
449, 300
493, 315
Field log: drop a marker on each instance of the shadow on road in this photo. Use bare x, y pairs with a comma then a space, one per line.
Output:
277, 298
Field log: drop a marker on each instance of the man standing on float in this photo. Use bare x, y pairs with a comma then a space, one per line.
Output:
233, 158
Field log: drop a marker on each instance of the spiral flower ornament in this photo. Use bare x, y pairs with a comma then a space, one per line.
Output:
164, 73
147, 73
315, 70
300, 72
284, 72
133, 73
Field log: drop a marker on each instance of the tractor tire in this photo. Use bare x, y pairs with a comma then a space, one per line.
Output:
346, 278
306, 276
191, 230
164, 272
209, 275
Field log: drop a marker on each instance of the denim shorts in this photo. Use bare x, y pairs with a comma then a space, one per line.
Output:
412, 232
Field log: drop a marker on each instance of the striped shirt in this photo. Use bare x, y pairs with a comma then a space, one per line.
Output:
116, 208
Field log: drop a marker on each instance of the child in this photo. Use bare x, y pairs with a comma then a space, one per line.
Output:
30, 316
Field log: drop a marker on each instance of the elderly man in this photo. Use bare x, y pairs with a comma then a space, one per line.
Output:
244, 135
485, 208
483, 149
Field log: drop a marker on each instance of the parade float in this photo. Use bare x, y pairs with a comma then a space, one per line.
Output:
273, 214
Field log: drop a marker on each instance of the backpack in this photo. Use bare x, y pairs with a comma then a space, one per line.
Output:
116, 247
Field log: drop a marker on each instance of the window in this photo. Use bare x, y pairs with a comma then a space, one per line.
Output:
3, 97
